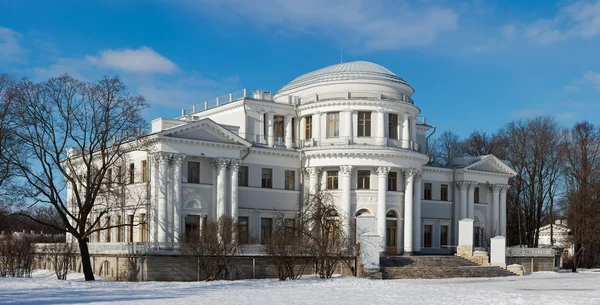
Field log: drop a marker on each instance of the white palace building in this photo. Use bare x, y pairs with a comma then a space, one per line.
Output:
351, 129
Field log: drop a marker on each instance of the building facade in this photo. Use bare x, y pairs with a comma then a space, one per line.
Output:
350, 129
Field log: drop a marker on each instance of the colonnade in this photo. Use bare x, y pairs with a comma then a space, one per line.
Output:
496, 212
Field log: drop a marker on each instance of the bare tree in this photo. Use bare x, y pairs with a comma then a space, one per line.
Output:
8, 140
287, 248
73, 133
213, 249
62, 255
480, 143
447, 147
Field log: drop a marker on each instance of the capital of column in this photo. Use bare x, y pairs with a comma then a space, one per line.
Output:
503, 188
471, 184
161, 157
234, 165
346, 170
178, 159
383, 171
220, 163
463, 184
313, 172
494, 187
409, 174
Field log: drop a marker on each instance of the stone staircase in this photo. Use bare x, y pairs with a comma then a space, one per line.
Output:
435, 267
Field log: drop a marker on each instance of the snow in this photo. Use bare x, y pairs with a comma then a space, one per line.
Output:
537, 288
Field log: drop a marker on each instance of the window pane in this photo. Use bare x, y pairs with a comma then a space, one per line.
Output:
267, 178
243, 176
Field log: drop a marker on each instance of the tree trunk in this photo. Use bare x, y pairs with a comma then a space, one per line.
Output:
86, 264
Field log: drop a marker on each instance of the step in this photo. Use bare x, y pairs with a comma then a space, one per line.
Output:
443, 272
424, 261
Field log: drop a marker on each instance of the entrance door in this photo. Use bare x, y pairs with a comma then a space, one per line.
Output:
391, 237
192, 227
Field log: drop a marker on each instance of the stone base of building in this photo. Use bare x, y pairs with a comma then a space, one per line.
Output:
464, 251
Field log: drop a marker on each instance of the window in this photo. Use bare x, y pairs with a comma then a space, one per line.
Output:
478, 236
119, 175
289, 227
108, 229
333, 124
392, 126
192, 227
364, 124
308, 127
278, 129
267, 178
143, 228
444, 236
290, 180
109, 177
144, 171
332, 180
243, 176
444, 192
427, 236
131, 173
193, 172
119, 229
427, 192
243, 232
393, 181
363, 180
476, 195
391, 229
97, 232
266, 227
293, 129
130, 227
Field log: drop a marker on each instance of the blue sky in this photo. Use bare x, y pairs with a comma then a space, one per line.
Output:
474, 64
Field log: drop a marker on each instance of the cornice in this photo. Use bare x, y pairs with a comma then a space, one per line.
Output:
351, 103
436, 169
364, 151
203, 125
217, 110
274, 152
202, 143
265, 106
476, 172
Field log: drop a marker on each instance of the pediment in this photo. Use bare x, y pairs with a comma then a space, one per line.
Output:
204, 130
491, 164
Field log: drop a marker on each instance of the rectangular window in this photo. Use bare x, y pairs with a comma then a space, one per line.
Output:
427, 234
143, 228
193, 172
427, 191
444, 192
289, 227
192, 228
130, 227
293, 129
108, 230
243, 176
131, 173
290, 180
364, 124
119, 175
476, 195
332, 180
444, 236
266, 227
109, 177
333, 124
308, 127
393, 126
363, 180
243, 230
119, 229
393, 181
144, 171
267, 178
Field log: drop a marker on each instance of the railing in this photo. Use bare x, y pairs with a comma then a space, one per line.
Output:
531, 252
367, 142
367, 95
228, 98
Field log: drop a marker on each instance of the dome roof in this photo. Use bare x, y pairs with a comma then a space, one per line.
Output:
344, 71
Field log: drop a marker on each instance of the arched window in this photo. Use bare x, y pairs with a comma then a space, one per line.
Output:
362, 212
391, 214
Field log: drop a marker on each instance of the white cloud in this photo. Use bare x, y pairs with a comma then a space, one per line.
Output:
142, 60
368, 24
10, 49
592, 78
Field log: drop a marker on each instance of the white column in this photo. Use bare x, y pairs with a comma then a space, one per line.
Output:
313, 174
346, 129
271, 129
221, 185
302, 129
261, 129
287, 121
163, 212
177, 162
496, 209
489, 223
382, 173
346, 175
409, 175
234, 167
417, 213
316, 124
405, 132
462, 186
215, 174
413, 130
471, 200
152, 212
503, 190
381, 140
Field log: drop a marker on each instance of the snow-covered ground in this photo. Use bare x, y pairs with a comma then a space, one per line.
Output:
538, 288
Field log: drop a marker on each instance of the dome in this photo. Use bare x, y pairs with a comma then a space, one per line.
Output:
344, 71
